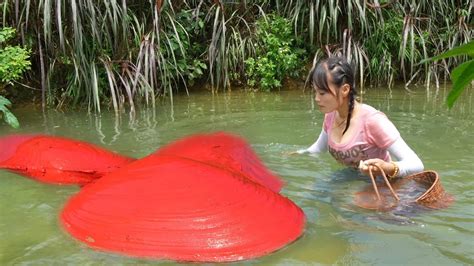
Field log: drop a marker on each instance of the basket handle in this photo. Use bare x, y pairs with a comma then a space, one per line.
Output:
374, 184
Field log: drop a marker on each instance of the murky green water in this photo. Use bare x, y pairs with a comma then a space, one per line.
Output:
273, 123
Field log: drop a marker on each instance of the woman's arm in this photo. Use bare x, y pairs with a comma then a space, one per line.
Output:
406, 159
383, 133
321, 144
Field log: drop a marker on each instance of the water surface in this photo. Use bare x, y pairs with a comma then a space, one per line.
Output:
336, 232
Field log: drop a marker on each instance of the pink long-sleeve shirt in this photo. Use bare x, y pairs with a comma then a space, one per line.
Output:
373, 135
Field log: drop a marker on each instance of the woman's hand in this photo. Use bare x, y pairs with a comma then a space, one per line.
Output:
388, 168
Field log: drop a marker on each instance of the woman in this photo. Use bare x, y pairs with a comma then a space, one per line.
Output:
356, 134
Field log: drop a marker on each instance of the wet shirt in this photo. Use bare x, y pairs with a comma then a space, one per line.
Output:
373, 134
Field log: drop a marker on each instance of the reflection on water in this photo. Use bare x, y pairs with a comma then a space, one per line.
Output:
337, 231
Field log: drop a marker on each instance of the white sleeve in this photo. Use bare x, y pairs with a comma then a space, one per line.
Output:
406, 159
321, 144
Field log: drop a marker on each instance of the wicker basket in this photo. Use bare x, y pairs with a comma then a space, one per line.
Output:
383, 196
435, 195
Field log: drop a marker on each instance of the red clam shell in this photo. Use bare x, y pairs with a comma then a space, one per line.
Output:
224, 150
57, 160
175, 208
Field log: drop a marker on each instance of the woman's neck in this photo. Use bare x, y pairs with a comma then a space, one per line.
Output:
342, 112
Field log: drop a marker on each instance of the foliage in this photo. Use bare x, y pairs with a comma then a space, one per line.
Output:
384, 44
463, 74
186, 53
8, 116
14, 61
125, 52
276, 56
6, 34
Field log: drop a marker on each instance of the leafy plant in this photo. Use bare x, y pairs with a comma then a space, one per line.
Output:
8, 116
383, 45
184, 52
463, 74
14, 61
277, 54
98, 52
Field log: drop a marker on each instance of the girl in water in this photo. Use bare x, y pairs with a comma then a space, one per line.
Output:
356, 134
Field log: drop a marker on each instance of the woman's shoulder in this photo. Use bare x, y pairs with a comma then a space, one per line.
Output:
368, 110
370, 113
375, 120
371, 116
378, 127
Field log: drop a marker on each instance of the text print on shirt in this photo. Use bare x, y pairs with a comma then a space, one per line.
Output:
353, 155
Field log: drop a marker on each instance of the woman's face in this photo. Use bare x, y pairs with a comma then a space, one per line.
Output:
326, 101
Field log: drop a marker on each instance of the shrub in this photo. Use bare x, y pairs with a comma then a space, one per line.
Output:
14, 61
277, 55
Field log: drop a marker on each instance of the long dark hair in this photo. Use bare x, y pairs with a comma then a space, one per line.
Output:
341, 73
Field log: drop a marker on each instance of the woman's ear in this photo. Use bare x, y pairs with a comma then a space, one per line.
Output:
345, 89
